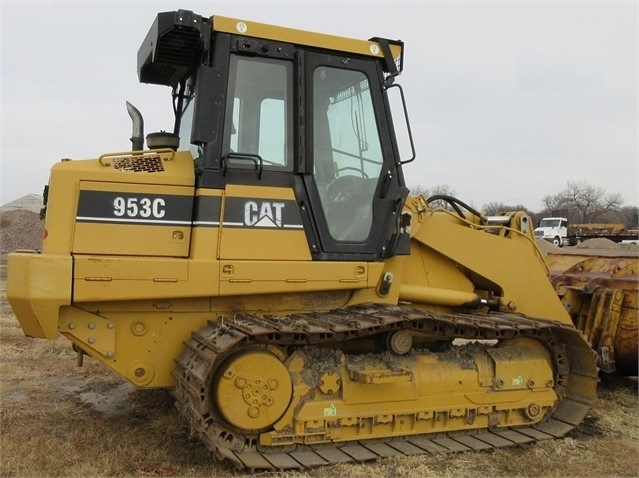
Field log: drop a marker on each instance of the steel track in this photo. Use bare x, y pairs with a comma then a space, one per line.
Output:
574, 367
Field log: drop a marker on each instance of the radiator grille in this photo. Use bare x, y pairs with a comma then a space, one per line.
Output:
142, 164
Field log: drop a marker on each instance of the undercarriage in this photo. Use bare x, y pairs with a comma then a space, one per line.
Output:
373, 381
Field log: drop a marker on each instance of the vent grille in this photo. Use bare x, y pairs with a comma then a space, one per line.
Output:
141, 164
178, 47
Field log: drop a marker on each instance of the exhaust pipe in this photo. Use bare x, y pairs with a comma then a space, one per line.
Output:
137, 138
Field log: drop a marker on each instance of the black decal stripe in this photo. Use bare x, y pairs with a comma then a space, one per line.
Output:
206, 223
134, 208
207, 211
132, 221
283, 226
266, 213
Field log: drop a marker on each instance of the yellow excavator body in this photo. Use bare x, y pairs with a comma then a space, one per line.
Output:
266, 263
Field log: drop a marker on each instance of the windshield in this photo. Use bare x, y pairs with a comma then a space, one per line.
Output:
549, 223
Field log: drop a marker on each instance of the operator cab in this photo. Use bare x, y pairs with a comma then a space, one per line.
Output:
309, 114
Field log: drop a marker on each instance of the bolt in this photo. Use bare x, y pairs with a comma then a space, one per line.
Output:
71, 326
532, 411
92, 325
91, 340
138, 328
109, 354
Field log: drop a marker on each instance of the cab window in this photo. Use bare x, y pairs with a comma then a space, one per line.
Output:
258, 121
347, 152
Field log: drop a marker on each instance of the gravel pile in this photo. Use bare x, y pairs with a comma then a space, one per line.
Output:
20, 229
547, 248
603, 243
593, 246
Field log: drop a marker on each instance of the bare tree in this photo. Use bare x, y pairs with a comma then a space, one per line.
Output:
439, 190
420, 190
630, 216
495, 208
589, 201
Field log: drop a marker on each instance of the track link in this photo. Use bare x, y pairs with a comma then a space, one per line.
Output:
573, 359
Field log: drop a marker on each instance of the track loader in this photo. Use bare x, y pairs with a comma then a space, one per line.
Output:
266, 262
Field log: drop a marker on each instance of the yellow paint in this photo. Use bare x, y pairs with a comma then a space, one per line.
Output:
429, 393
37, 286
290, 35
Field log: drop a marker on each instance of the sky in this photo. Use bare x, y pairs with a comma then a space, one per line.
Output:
508, 100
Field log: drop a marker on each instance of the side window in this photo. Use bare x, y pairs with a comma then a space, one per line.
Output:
235, 121
272, 140
186, 128
259, 117
347, 152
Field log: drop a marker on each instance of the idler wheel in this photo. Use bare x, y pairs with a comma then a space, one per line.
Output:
400, 342
252, 390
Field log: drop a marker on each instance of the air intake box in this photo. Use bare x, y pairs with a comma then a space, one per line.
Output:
172, 48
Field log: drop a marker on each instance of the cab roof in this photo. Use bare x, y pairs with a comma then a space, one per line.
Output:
248, 28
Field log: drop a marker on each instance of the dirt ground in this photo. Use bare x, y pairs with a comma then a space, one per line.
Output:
61, 420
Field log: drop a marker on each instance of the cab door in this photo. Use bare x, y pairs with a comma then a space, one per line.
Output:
355, 185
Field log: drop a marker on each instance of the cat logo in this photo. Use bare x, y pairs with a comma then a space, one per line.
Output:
266, 214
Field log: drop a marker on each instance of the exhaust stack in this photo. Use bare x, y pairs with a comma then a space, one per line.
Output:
137, 138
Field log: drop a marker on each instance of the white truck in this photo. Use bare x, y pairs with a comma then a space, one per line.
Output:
557, 231
553, 229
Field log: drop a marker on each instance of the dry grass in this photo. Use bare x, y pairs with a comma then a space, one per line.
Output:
61, 420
